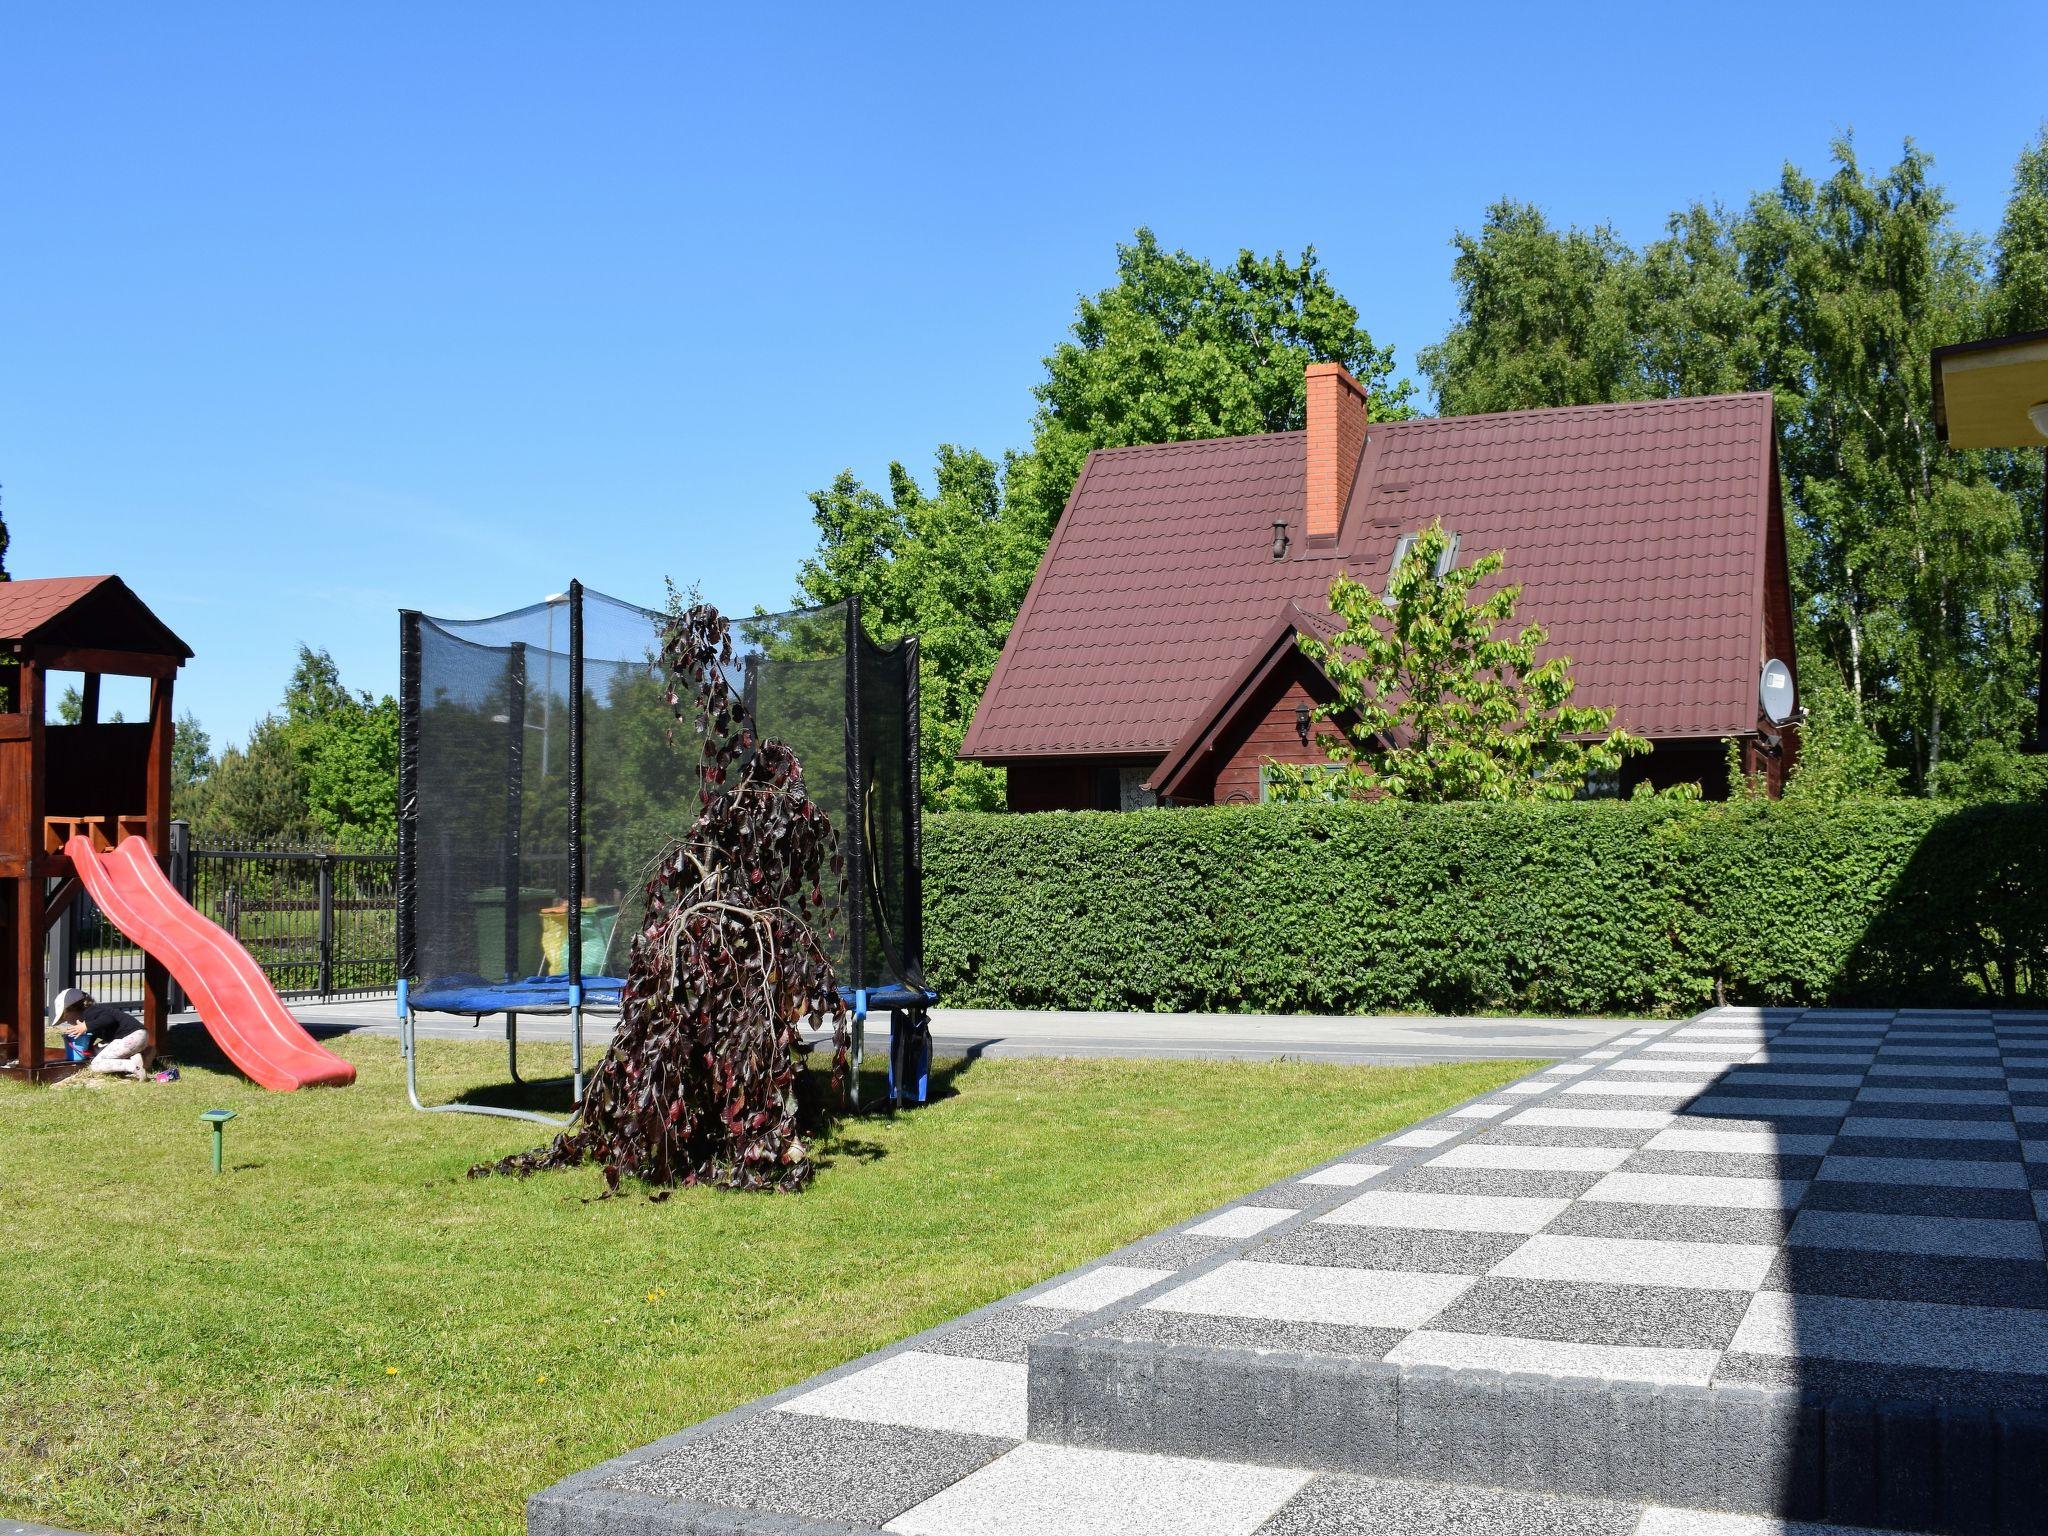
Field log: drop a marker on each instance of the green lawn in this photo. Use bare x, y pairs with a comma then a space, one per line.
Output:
344, 1334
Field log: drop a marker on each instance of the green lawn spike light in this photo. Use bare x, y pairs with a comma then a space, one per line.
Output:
217, 1118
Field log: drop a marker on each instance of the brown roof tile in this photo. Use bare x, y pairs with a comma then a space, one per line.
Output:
1636, 531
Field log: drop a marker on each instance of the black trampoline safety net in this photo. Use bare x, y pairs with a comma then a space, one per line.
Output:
538, 783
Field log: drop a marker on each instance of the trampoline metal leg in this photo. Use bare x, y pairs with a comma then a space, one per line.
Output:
409, 1047
576, 1051
512, 1047
860, 1036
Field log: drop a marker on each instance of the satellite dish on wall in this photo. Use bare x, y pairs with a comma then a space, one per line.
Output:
1774, 691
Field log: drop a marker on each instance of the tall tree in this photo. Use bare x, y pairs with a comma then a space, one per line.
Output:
1910, 562
1906, 549
1179, 348
2019, 302
1543, 317
325, 769
950, 567
3, 548
346, 741
191, 763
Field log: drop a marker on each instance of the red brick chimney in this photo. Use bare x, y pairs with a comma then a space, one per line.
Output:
1336, 438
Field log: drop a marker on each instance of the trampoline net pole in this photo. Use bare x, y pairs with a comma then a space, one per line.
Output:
574, 915
408, 791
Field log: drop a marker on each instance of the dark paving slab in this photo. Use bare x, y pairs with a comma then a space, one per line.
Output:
1003, 1334
820, 1469
1643, 1316
1195, 1328
1407, 1250
1356, 1506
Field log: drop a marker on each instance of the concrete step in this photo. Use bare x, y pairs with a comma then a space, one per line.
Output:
1897, 1464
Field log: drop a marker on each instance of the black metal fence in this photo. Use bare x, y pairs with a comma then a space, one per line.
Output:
322, 924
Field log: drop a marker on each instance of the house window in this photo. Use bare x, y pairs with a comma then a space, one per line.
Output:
1408, 541
1131, 793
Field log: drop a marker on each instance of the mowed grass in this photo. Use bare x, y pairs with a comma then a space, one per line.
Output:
345, 1334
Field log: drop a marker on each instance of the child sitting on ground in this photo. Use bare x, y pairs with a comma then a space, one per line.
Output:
114, 1040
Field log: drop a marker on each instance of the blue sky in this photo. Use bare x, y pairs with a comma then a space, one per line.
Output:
310, 313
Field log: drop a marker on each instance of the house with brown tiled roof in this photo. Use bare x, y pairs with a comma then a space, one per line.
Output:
1154, 659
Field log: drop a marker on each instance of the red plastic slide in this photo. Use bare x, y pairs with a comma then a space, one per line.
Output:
236, 1001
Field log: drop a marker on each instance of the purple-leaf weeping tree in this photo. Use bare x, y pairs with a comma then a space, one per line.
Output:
700, 1082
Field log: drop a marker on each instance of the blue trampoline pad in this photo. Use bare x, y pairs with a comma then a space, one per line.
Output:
550, 994
536, 994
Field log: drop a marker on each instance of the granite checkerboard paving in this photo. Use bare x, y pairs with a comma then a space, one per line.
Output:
1716, 1278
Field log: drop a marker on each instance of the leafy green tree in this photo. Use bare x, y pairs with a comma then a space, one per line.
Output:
256, 792
2019, 284
1992, 770
191, 764
346, 742
1915, 567
1179, 348
325, 769
1433, 705
3, 548
950, 567
1906, 550
1840, 756
71, 707
1543, 317
2019, 302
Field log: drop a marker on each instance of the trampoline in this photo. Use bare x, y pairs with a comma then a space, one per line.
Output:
538, 789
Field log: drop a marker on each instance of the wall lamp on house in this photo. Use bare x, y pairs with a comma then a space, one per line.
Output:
1279, 540
1301, 722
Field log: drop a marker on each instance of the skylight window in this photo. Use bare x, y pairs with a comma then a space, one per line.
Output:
1408, 541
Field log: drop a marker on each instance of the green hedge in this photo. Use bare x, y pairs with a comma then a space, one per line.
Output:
1570, 909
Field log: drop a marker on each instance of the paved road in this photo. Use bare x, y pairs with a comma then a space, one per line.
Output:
1007, 1032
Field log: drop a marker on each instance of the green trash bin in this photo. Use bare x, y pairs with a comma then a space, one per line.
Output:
598, 922
489, 908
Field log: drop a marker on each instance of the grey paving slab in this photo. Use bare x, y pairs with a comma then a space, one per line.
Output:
822, 1469
1336, 1505
1174, 1251
1921, 1200
1003, 1334
1486, 1352
1587, 1312
1949, 1173
1434, 1178
1908, 1277
1740, 1267
2006, 1340
1415, 1249
1210, 1331
1672, 1223
1726, 1165
1952, 1236
1099, 1287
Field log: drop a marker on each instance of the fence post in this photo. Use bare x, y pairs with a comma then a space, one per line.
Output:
181, 876
325, 880
60, 965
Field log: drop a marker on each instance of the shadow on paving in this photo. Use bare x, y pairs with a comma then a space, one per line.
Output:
1906, 1306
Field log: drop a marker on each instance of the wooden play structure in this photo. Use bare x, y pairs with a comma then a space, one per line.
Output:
102, 781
